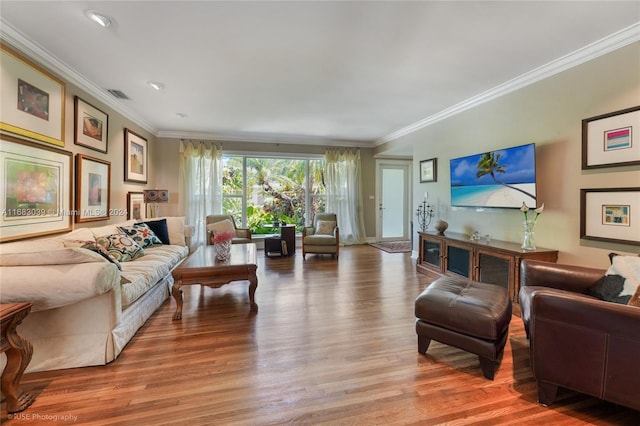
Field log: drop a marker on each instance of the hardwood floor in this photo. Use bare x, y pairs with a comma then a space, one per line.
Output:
332, 343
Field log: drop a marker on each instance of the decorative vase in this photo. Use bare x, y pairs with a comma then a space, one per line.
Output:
529, 240
441, 226
223, 250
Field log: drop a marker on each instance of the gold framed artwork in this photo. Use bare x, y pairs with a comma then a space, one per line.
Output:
612, 139
91, 126
93, 181
135, 157
610, 214
32, 101
36, 193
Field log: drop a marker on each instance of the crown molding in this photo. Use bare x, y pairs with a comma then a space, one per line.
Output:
37, 53
587, 53
263, 138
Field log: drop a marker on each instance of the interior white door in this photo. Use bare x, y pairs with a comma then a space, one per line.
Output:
393, 200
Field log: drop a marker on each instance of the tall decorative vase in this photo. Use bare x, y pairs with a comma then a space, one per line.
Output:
529, 238
223, 250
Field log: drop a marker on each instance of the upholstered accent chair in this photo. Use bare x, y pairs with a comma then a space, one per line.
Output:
323, 236
219, 222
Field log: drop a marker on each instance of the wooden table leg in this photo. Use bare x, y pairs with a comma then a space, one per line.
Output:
253, 285
176, 292
18, 357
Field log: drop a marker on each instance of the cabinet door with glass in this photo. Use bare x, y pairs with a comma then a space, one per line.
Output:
431, 253
492, 267
458, 259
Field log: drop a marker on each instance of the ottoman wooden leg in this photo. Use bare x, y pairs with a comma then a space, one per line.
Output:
488, 367
423, 344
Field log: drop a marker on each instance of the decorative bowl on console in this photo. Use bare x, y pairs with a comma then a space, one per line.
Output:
441, 226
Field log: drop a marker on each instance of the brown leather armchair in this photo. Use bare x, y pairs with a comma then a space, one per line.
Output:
577, 341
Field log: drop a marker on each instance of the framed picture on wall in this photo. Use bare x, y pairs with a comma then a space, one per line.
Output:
429, 170
32, 101
610, 214
36, 192
612, 139
91, 126
136, 207
135, 157
93, 177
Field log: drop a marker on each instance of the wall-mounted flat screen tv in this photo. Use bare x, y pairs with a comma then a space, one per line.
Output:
504, 178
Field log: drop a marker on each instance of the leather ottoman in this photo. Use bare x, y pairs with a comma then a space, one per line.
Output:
466, 314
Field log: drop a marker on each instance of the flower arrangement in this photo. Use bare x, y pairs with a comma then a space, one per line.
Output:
525, 209
223, 237
528, 242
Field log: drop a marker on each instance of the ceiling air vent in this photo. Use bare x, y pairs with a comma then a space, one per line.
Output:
118, 94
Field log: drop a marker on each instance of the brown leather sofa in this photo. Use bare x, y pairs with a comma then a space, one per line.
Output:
577, 341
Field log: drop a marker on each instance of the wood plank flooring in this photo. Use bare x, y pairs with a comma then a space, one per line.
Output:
332, 343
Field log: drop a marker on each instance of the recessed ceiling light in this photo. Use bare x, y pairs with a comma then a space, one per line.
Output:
99, 18
156, 85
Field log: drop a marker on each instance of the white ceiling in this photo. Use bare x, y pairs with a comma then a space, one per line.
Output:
351, 73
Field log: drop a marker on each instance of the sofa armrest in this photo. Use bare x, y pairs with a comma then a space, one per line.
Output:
564, 277
594, 314
53, 286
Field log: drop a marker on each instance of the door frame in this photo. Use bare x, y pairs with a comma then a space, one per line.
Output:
407, 165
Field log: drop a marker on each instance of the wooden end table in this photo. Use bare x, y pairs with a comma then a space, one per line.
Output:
19, 351
202, 268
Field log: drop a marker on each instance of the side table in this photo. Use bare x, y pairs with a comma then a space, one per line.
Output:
282, 245
19, 351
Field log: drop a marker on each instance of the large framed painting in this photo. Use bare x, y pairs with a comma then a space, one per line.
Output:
610, 214
136, 207
32, 101
135, 157
93, 182
611, 140
91, 126
35, 191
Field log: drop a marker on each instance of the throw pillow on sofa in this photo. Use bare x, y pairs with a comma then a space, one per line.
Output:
121, 246
159, 227
94, 247
142, 234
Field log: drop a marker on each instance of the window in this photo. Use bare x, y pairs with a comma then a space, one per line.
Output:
259, 191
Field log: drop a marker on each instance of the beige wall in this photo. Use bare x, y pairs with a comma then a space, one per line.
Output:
548, 113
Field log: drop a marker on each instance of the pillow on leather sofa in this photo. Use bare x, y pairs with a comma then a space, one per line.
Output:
608, 288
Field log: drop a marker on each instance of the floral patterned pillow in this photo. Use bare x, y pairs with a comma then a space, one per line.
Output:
94, 247
121, 246
141, 234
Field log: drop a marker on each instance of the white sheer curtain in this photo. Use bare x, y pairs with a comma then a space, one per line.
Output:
201, 176
344, 194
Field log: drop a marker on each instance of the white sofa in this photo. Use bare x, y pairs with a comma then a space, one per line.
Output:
85, 310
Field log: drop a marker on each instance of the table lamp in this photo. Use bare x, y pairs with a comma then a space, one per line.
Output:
156, 196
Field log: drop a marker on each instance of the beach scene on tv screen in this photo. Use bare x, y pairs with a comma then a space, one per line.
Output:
502, 178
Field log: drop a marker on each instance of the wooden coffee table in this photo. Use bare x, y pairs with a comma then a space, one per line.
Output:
203, 268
